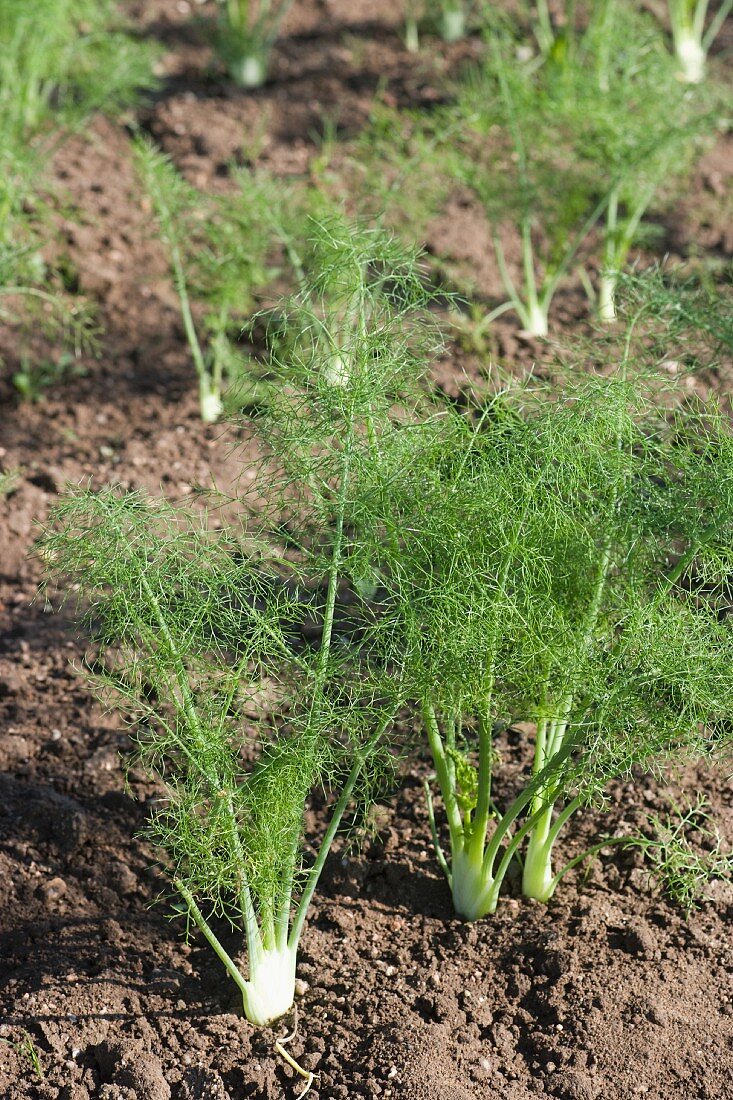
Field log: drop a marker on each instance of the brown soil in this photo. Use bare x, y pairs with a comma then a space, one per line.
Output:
606, 993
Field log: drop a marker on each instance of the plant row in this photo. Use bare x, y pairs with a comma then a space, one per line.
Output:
555, 561
551, 558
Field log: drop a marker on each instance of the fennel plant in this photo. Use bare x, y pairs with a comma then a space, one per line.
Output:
533, 181
562, 563
246, 33
414, 10
692, 39
222, 251
60, 60
234, 782
237, 717
630, 119
451, 18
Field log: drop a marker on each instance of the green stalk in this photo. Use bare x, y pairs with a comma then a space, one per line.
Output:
716, 24
203, 926
538, 880
544, 33
321, 669
535, 312
482, 814
445, 782
209, 395
618, 245
452, 21
438, 848
606, 293
412, 35
605, 843
343, 801
247, 908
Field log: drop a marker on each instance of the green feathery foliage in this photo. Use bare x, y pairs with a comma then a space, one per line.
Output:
201, 632
686, 321
515, 154
685, 852
246, 33
222, 250
56, 64
590, 132
395, 168
630, 119
60, 60
563, 563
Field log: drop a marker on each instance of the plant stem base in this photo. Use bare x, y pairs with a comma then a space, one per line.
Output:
537, 877
270, 991
474, 895
535, 322
248, 72
691, 57
453, 25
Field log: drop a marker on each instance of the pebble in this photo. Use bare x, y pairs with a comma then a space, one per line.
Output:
53, 890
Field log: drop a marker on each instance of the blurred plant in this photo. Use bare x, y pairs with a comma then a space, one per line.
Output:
534, 182
246, 33
451, 18
414, 12
10, 480
685, 322
221, 251
692, 41
37, 376
629, 119
395, 168
589, 135
60, 60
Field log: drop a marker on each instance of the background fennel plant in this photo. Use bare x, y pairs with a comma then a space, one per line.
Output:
222, 250
561, 563
197, 627
246, 33
59, 62
533, 182
630, 119
691, 38
450, 18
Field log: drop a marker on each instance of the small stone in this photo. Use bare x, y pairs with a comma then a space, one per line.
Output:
202, 1084
53, 890
11, 683
144, 1075
639, 938
301, 987
570, 1085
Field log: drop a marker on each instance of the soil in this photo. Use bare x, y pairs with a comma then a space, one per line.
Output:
608, 992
